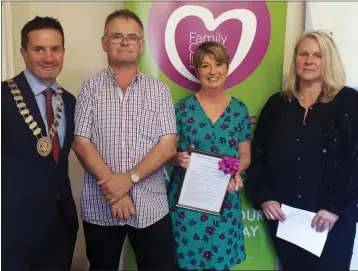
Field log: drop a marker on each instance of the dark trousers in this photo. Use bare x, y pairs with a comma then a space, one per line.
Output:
55, 254
336, 254
153, 246
58, 253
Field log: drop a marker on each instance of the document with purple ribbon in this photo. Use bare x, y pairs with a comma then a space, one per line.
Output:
205, 184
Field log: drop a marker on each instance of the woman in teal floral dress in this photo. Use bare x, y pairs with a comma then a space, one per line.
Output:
210, 121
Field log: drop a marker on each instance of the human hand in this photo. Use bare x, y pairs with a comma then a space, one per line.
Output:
115, 186
123, 208
273, 211
324, 220
183, 159
235, 183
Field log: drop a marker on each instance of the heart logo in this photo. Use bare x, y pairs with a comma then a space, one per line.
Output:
247, 18
175, 29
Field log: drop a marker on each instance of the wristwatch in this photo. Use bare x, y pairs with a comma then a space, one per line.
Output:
134, 176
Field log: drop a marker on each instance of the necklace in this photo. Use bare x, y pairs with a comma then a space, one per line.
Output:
44, 145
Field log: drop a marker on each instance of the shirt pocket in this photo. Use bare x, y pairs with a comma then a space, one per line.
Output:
147, 123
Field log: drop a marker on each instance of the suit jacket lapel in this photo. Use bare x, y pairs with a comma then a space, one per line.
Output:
30, 101
31, 104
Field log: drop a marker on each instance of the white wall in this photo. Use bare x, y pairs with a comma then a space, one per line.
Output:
341, 18
7, 63
83, 27
294, 27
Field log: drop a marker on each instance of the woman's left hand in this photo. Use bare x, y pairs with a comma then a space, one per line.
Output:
323, 220
235, 183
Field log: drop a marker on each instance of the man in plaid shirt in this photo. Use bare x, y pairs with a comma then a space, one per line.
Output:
124, 134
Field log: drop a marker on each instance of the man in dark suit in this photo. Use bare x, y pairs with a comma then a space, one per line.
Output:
39, 220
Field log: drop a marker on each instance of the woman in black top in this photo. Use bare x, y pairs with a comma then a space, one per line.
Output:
305, 154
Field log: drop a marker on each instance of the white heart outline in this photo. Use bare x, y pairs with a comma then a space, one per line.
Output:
247, 18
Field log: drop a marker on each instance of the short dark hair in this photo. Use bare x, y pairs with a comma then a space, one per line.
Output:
123, 13
40, 23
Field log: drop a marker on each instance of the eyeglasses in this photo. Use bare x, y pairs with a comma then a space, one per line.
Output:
118, 38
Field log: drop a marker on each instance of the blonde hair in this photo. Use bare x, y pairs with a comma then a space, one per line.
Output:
333, 77
216, 49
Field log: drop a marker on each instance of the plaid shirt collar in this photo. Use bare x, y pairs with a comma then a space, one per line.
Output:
136, 79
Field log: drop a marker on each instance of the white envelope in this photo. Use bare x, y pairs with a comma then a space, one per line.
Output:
297, 229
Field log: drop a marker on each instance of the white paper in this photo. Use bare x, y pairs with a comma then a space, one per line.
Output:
297, 229
204, 185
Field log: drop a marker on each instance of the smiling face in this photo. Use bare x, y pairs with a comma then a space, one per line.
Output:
309, 60
123, 41
44, 54
211, 73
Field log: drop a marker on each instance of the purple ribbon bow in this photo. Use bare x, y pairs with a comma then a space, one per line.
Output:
229, 165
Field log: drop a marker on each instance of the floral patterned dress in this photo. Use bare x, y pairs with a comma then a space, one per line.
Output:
202, 240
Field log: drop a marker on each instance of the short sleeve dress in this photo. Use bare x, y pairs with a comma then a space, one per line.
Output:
202, 240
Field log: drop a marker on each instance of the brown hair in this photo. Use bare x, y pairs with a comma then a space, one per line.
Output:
40, 23
123, 13
216, 49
